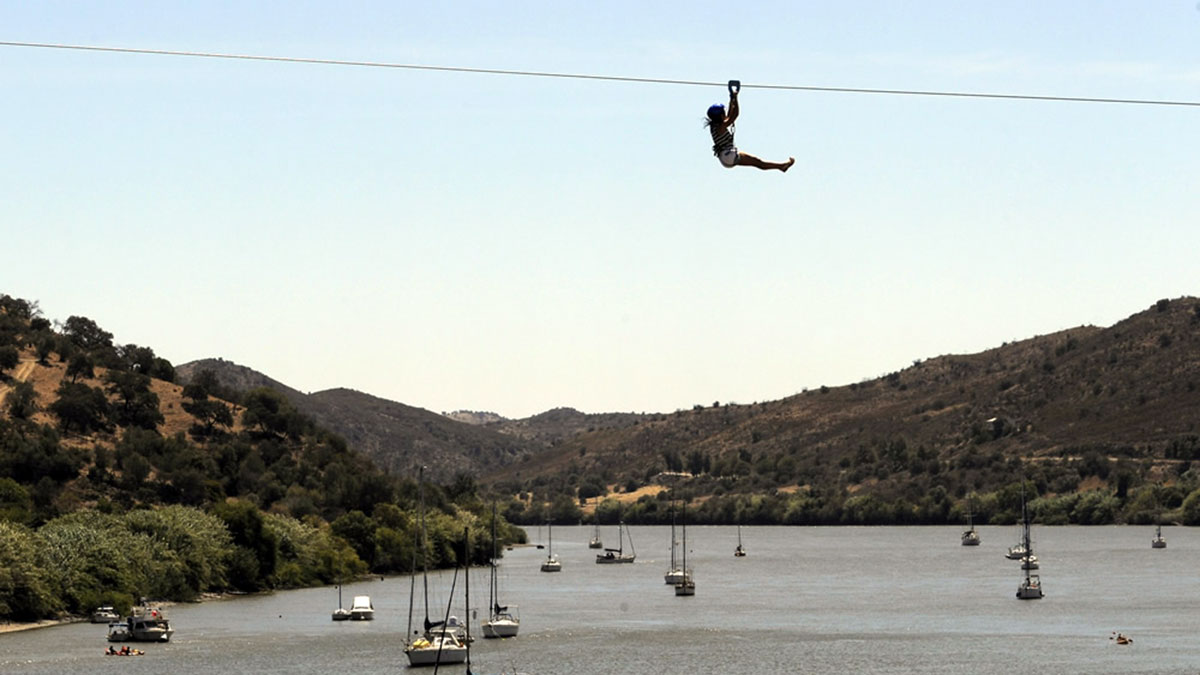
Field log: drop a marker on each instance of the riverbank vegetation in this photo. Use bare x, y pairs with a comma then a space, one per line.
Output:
116, 484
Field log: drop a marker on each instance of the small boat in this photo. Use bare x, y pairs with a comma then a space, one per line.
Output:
1031, 585
687, 585
1016, 552
739, 552
1158, 541
438, 646
551, 563
595, 542
362, 609
502, 621
341, 613
105, 614
149, 624
118, 631
674, 573
970, 537
1120, 638
617, 555
1029, 562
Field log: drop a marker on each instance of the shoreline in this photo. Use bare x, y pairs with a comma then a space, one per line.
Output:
11, 627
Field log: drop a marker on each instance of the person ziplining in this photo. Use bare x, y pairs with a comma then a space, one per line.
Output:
720, 125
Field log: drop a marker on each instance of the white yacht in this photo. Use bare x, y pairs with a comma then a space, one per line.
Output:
362, 609
149, 624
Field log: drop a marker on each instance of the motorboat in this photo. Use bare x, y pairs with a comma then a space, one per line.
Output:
362, 609
149, 624
105, 614
118, 631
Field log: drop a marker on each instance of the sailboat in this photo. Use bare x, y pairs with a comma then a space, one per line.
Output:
341, 613
739, 552
502, 621
687, 585
595, 542
674, 573
551, 563
1158, 541
970, 537
1031, 585
618, 555
438, 645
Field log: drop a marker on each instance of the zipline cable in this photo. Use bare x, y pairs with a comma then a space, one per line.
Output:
609, 78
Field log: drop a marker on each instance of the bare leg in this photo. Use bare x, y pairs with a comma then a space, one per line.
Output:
746, 159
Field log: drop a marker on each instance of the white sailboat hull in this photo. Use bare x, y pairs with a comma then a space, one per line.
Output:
500, 628
673, 577
429, 654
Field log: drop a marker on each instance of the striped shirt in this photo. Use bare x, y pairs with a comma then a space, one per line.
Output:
722, 138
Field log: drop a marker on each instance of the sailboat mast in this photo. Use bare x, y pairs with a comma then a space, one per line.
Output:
424, 542
492, 590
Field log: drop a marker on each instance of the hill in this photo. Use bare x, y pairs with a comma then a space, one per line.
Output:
1081, 408
399, 438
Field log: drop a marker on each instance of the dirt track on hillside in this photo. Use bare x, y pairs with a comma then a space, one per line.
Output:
19, 375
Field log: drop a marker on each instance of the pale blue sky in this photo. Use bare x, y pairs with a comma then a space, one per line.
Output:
515, 244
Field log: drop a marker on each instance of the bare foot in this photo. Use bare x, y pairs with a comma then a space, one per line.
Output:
790, 162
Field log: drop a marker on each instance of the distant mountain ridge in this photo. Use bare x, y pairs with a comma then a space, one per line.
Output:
398, 437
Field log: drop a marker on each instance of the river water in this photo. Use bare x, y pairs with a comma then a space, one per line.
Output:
805, 600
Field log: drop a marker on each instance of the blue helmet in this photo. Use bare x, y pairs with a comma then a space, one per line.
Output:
716, 112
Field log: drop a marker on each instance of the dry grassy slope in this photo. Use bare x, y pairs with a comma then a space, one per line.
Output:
1135, 383
47, 378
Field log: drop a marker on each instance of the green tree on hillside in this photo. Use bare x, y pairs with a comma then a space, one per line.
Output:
22, 401
80, 407
9, 358
80, 365
136, 405
86, 334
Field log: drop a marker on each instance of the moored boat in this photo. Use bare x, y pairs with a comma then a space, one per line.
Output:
149, 624
105, 614
439, 645
362, 609
551, 563
502, 621
617, 555
1158, 541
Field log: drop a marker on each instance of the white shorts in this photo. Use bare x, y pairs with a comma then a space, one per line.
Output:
728, 157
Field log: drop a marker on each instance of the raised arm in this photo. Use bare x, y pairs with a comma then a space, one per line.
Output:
733, 109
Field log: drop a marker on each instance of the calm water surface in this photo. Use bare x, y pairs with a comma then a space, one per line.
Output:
820, 600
